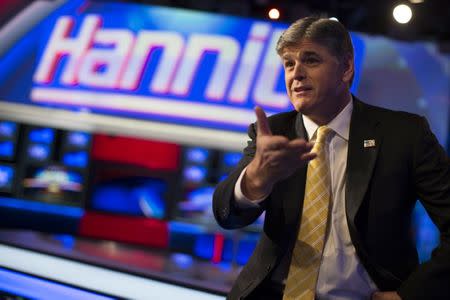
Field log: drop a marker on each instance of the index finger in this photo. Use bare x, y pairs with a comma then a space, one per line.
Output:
300, 145
262, 124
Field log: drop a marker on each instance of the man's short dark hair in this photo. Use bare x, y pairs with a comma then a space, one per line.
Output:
328, 33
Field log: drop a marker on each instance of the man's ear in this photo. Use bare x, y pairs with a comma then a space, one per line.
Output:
348, 66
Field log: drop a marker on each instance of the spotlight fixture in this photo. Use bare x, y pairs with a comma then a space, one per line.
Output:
274, 14
402, 13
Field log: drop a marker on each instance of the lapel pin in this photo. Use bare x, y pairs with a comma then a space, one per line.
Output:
369, 143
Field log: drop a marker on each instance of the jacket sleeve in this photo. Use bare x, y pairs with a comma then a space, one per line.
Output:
225, 210
431, 175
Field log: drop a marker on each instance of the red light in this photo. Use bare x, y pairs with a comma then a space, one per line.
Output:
219, 241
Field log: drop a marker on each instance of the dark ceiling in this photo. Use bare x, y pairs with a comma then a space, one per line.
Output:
431, 18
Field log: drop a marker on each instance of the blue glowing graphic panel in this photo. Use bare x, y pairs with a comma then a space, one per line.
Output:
197, 155
75, 149
132, 196
197, 206
8, 138
34, 207
7, 150
7, 174
8, 130
195, 174
228, 162
39, 152
77, 139
77, 159
16, 284
41, 135
53, 184
230, 159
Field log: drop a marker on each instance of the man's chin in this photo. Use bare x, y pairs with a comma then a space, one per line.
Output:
302, 107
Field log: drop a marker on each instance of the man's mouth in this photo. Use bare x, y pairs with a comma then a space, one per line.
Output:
301, 90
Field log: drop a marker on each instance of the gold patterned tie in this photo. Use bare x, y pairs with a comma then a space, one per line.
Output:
307, 253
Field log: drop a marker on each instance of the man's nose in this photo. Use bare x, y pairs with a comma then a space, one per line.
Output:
299, 72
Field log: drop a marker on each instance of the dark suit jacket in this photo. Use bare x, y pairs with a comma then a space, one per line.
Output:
383, 183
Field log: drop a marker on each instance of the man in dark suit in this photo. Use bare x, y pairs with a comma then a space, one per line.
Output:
338, 180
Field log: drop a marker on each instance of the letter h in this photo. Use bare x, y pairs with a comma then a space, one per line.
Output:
61, 44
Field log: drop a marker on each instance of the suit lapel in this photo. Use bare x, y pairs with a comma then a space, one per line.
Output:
295, 184
364, 142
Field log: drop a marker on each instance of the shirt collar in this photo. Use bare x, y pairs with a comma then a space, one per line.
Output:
340, 124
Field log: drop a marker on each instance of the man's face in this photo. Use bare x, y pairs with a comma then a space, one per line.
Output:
315, 79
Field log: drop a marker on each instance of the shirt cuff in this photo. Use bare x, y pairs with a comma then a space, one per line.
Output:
241, 200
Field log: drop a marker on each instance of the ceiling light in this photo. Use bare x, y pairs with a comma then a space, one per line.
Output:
402, 13
274, 14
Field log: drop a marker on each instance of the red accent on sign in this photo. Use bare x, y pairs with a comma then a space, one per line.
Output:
136, 230
140, 152
219, 241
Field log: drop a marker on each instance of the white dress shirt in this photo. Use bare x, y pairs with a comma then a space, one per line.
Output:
341, 274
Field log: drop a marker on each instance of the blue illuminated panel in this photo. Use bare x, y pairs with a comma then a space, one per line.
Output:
44, 177
204, 246
39, 152
223, 176
76, 159
198, 205
230, 159
8, 130
181, 260
197, 156
132, 196
195, 174
41, 207
41, 135
53, 184
425, 232
245, 248
77, 139
8, 136
7, 149
19, 284
7, 173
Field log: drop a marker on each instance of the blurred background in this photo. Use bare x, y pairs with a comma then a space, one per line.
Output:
118, 118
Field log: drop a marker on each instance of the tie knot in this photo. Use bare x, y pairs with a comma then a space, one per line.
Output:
321, 136
322, 133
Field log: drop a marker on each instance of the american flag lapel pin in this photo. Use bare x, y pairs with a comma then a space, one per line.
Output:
369, 143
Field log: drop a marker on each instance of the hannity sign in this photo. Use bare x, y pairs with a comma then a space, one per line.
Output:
119, 62
162, 64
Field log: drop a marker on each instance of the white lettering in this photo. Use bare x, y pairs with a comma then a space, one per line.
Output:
113, 60
61, 44
172, 44
251, 56
227, 50
264, 93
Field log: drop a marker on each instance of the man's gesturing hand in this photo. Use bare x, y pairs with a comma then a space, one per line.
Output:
276, 158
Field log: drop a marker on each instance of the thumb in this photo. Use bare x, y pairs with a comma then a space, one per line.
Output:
262, 124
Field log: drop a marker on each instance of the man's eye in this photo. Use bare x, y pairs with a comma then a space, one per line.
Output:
288, 64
